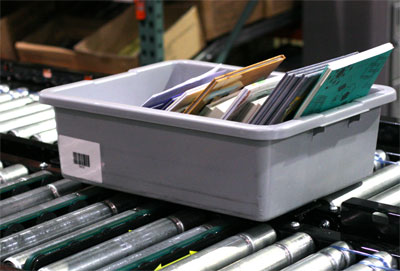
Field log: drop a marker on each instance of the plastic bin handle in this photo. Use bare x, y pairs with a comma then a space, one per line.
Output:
331, 119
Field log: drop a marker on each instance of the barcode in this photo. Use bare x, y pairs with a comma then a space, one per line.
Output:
83, 160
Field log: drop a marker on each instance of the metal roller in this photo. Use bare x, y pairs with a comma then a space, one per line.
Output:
5, 97
161, 249
8, 125
36, 196
379, 157
50, 136
277, 256
46, 231
51, 229
366, 265
23, 91
23, 111
390, 196
13, 94
123, 245
34, 178
82, 237
12, 173
30, 130
228, 250
4, 88
368, 187
13, 223
18, 103
327, 259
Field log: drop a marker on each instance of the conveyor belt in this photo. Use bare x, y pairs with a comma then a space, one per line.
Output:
50, 223
62, 226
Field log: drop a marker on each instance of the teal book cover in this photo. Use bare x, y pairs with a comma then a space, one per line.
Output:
343, 85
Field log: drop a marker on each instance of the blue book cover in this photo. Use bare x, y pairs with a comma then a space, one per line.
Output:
346, 80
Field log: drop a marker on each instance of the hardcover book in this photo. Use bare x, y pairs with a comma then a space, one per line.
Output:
233, 81
345, 80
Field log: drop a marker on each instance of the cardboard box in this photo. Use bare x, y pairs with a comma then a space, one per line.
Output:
96, 48
18, 24
220, 16
51, 44
183, 38
276, 7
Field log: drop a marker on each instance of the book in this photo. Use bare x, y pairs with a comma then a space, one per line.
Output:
251, 109
174, 91
164, 104
186, 98
294, 95
288, 90
218, 108
233, 81
345, 80
272, 99
297, 97
227, 107
250, 93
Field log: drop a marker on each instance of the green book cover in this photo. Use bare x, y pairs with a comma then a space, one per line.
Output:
346, 80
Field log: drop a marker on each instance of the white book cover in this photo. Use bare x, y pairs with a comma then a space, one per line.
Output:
218, 107
250, 93
186, 98
251, 109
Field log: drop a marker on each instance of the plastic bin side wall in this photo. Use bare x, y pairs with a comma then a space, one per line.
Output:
169, 163
310, 165
253, 179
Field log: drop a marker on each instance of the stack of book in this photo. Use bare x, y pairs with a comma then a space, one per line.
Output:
251, 95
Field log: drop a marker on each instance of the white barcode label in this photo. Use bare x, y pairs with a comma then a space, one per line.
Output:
80, 158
